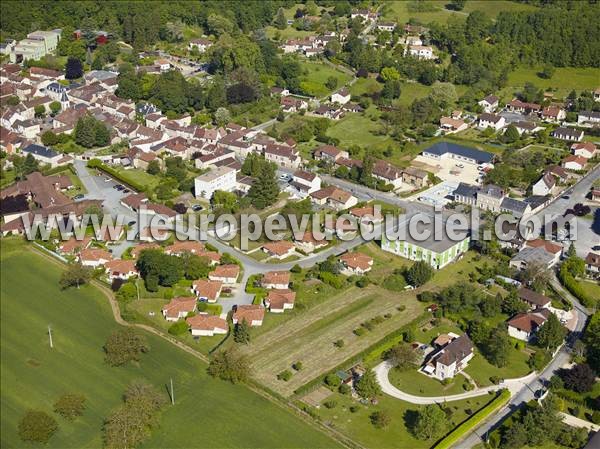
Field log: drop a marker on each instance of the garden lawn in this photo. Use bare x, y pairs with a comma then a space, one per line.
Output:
397, 434
317, 74
137, 176
207, 413
413, 382
481, 370
591, 288
359, 129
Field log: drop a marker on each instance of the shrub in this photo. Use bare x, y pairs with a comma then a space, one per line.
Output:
353, 408
284, 375
37, 427
338, 343
495, 380
178, 328
395, 283
69, 406
345, 389
296, 269
359, 331
330, 404
297, 366
380, 419
332, 380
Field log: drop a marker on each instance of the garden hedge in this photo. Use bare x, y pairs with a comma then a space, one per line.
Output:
453, 437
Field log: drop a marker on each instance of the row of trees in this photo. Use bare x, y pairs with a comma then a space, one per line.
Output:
160, 269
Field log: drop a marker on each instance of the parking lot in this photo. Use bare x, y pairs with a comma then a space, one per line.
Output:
449, 169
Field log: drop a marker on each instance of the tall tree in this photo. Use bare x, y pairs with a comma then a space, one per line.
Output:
75, 275
551, 334
265, 190
73, 69
367, 386
280, 20
431, 423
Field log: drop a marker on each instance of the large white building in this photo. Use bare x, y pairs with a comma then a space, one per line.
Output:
218, 178
37, 45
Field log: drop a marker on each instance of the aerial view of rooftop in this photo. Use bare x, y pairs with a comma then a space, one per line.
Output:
315, 224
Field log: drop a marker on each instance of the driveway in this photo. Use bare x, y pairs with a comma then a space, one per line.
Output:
382, 371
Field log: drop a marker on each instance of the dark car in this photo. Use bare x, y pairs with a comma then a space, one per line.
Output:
197, 208
126, 190
566, 197
78, 197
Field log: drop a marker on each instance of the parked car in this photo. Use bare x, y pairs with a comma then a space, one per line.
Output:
197, 208
78, 197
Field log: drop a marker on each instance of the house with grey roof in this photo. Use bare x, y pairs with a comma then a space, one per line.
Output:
515, 207
528, 256
447, 150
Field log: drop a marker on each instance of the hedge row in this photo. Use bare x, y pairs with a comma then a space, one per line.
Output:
473, 421
576, 290
371, 353
97, 164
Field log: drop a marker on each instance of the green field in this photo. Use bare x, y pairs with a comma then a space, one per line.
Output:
435, 11
359, 129
317, 73
591, 288
397, 434
481, 370
564, 80
208, 412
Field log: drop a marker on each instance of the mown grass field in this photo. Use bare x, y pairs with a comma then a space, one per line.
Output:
402, 414
564, 80
207, 413
435, 11
359, 129
413, 382
317, 73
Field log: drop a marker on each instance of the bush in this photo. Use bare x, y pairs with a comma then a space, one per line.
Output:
296, 269
495, 380
297, 366
395, 283
69, 406
178, 328
353, 408
284, 375
380, 419
330, 404
37, 427
345, 389
332, 380
359, 331
338, 343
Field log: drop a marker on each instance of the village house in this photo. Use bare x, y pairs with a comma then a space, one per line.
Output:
450, 125
573, 162
489, 103
333, 197
493, 121
588, 117
179, 247
179, 307
421, 51
204, 325
292, 104
447, 150
356, 263
252, 314
544, 185
120, 269
329, 153
227, 274
367, 214
276, 279
278, 301
94, 257
201, 44
387, 173
308, 243
43, 154
533, 299
279, 91
386, 26
305, 182
451, 358
280, 249
522, 107
592, 264
207, 290
283, 156
342, 96
584, 149
595, 195
415, 177
524, 326
73, 246
568, 134
553, 114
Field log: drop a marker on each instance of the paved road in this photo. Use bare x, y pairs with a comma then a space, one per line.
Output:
588, 231
382, 373
526, 393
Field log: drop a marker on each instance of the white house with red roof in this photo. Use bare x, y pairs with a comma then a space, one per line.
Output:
276, 280
207, 290
94, 257
278, 301
356, 263
179, 307
204, 325
253, 314
120, 269
280, 249
227, 274
308, 243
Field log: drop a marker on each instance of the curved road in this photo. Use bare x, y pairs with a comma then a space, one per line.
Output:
382, 371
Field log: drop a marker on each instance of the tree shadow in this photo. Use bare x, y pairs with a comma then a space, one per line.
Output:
410, 419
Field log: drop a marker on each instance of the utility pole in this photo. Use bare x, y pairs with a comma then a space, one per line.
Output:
172, 393
50, 335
